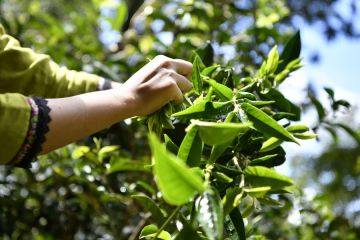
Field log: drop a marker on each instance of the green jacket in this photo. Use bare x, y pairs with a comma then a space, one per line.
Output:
26, 73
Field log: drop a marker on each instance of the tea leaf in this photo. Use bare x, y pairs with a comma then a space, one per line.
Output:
191, 147
265, 124
216, 133
176, 181
259, 176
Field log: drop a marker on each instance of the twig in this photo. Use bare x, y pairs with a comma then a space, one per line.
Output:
167, 221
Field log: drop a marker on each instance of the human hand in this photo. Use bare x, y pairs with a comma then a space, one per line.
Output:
160, 81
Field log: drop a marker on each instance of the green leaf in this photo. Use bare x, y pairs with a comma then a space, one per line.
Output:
263, 159
297, 128
259, 103
291, 51
204, 109
80, 152
119, 164
259, 176
120, 17
221, 90
106, 151
191, 147
269, 201
330, 92
210, 214
217, 150
305, 136
209, 70
265, 124
217, 133
221, 177
196, 77
245, 95
150, 231
176, 181
238, 223
272, 60
232, 199
149, 205
270, 144
170, 145
283, 104
257, 192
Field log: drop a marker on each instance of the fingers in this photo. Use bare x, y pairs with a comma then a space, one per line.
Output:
177, 95
182, 82
182, 67
178, 65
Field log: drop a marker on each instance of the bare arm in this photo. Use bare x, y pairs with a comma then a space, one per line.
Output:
160, 81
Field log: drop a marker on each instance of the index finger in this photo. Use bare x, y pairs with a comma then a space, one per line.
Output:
182, 67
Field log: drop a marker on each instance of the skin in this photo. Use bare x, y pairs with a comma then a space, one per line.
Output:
160, 81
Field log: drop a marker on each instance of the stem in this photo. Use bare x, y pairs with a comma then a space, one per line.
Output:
167, 221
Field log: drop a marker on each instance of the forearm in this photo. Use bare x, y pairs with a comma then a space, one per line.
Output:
74, 118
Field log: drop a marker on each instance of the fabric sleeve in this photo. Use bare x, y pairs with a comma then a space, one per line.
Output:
15, 114
26, 72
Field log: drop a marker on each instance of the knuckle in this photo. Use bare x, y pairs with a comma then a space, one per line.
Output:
163, 61
170, 84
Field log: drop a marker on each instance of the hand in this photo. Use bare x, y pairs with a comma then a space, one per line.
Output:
160, 81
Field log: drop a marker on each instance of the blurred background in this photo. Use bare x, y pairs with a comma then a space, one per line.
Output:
72, 194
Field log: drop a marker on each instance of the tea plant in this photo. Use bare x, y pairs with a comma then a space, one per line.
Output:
217, 171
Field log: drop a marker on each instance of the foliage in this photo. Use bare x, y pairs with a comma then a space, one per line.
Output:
219, 146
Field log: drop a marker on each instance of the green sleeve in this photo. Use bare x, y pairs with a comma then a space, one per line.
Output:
26, 72
14, 123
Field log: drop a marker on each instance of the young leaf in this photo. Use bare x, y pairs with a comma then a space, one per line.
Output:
150, 231
258, 103
259, 176
265, 124
209, 70
210, 214
216, 133
305, 136
176, 181
257, 192
270, 144
221, 90
196, 77
191, 147
297, 128
221, 177
245, 95
149, 205
291, 51
204, 109
272, 60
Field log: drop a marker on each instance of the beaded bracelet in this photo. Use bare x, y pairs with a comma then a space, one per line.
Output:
30, 137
